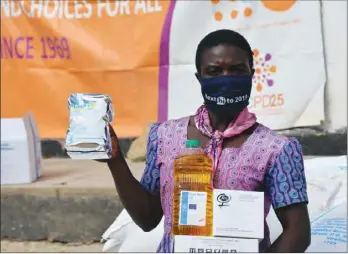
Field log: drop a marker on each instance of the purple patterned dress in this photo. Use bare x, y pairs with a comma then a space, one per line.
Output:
266, 162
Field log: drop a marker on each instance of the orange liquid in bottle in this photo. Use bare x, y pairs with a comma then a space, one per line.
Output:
193, 190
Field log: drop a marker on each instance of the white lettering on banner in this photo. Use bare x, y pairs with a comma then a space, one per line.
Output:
47, 9
77, 9
140, 6
118, 7
222, 100
147, 6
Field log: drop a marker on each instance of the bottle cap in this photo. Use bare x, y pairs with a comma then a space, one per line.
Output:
194, 143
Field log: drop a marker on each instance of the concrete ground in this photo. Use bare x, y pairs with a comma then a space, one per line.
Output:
43, 246
65, 173
74, 201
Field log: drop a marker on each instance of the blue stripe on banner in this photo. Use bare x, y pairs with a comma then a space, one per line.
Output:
183, 207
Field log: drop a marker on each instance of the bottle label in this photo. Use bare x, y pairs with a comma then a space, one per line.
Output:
193, 208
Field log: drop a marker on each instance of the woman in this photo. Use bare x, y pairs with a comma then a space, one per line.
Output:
246, 155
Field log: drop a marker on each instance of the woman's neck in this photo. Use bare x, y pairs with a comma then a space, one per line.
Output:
220, 123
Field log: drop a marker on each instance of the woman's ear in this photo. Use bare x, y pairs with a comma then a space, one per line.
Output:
198, 77
252, 72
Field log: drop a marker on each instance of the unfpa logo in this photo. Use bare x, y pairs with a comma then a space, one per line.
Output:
246, 11
264, 70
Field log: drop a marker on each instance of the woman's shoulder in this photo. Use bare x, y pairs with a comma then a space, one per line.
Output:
274, 139
173, 124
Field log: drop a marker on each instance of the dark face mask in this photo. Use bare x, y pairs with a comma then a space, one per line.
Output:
226, 96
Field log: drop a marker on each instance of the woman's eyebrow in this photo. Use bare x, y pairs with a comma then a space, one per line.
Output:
238, 65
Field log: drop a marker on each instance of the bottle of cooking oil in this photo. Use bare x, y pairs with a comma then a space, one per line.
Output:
192, 195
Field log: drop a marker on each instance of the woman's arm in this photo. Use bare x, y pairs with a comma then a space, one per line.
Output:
287, 189
141, 200
296, 236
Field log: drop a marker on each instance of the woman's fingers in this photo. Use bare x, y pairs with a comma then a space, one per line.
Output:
112, 132
114, 144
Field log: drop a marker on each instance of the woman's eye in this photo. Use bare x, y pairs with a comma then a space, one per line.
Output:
239, 71
214, 71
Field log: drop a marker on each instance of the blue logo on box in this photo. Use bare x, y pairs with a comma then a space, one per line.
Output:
192, 206
184, 206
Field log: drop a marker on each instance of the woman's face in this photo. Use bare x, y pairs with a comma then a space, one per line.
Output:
225, 78
224, 60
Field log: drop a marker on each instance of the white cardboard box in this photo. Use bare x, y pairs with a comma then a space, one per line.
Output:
37, 145
201, 244
21, 159
238, 214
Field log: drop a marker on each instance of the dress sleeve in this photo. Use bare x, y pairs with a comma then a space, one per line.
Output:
285, 180
151, 177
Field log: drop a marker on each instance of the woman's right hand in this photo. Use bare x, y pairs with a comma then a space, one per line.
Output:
115, 145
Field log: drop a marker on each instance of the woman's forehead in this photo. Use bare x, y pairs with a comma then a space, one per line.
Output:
224, 53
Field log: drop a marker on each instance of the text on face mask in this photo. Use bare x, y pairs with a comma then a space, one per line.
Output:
223, 100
